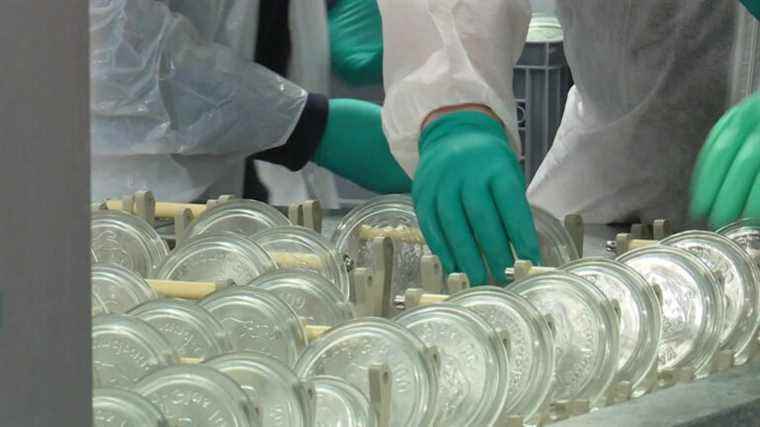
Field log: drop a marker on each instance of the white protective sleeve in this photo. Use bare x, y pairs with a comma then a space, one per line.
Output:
170, 111
440, 53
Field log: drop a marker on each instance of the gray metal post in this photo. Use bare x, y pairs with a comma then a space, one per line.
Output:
44, 215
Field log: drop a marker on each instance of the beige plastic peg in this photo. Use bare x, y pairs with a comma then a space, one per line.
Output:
190, 360
524, 269
575, 227
415, 297
312, 215
181, 221
380, 383
295, 213
618, 393
661, 228
672, 376
722, 361
145, 206
368, 294
564, 409
641, 231
431, 274
381, 254
183, 289
296, 260
457, 282
401, 234
163, 209
313, 332
651, 380
624, 242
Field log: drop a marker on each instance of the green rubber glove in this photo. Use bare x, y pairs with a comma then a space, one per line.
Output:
469, 194
753, 6
726, 181
356, 41
354, 147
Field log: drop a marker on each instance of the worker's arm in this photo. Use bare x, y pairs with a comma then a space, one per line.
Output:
356, 41
159, 88
450, 117
726, 181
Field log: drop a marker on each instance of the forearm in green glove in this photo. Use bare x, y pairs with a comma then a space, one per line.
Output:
469, 194
356, 41
753, 6
726, 181
354, 147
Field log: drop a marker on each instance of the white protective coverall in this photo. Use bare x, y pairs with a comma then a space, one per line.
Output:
651, 79
176, 102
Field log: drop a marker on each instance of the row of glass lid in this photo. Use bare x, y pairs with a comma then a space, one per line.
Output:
250, 354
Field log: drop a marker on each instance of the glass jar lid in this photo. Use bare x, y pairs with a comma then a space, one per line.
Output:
341, 404
189, 328
531, 349
692, 305
127, 240
391, 216
118, 288
300, 248
586, 337
640, 324
738, 274
474, 376
246, 217
98, 307
125, 349
557, 247
119, 407
271, 385
217, 257
349, 350
745, 233
310, 295
199, 395
257, 320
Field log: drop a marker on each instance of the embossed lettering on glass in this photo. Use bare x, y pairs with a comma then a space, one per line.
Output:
125, 349
531, 348
586, 335
640, 315
217, 257
127, 240
473, 381
692, 305
197, 395
271, 385
189, 328
113, 407
119, 289
257, 320
739, 276
310, 295
349, 350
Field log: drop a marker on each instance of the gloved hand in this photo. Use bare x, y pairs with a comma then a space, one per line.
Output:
726, 181
469, 194
356, 41
354, 147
